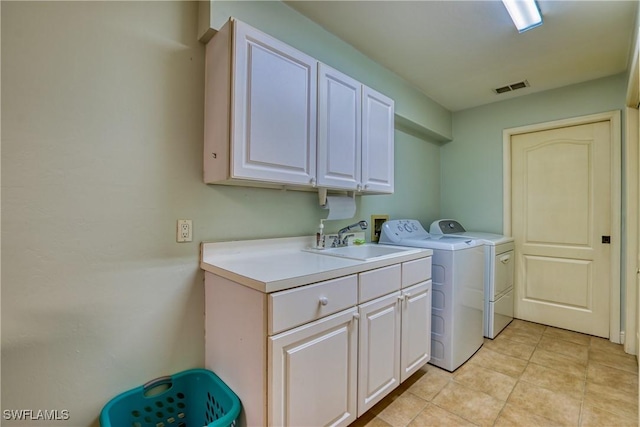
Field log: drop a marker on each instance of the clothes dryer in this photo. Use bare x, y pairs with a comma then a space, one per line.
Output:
498, 272
457, 292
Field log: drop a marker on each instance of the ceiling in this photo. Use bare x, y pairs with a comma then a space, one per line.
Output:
457, 52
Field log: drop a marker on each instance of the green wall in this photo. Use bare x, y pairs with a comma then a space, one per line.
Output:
471, 165
284, 23
102, 144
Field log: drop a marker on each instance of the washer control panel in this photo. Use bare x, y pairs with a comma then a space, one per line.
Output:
396, 230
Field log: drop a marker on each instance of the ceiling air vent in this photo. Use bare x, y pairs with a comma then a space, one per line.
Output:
513, 86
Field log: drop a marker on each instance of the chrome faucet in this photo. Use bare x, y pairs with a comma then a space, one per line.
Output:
343, 239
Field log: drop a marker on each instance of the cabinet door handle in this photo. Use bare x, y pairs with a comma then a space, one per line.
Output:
324, 300
312, 181
400, 298
407, 295
356, 316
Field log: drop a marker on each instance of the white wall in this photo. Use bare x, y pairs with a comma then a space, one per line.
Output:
102, 130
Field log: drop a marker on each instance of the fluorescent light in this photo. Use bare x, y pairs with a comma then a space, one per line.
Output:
524, 14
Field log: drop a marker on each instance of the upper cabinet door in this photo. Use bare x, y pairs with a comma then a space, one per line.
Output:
274, 88
339, 126
377, 142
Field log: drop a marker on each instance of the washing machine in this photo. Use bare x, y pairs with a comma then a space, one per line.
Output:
457, 290
498, 273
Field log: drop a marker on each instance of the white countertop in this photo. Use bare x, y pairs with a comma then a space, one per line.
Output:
271, 265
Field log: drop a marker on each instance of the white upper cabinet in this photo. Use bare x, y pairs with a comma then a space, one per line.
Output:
339, 130
275, 117
355, 135
377, 142
260, 109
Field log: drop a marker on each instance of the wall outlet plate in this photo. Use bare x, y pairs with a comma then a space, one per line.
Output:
184, 232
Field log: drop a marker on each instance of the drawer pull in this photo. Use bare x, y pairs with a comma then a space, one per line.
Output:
505, 259
324, 300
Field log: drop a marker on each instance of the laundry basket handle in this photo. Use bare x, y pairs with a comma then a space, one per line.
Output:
160, 381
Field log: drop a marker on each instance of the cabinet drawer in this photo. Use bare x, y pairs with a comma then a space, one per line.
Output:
376, 283
416, 271
294, 307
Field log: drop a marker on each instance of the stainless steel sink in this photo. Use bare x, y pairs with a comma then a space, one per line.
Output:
366, 252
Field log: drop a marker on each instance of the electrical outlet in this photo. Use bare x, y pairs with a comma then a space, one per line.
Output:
184, 231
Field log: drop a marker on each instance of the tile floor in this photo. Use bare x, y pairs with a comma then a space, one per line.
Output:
530, 375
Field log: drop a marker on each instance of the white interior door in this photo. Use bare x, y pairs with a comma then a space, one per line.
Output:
561, 209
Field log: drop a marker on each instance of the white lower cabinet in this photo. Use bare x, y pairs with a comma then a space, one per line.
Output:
416, 324
379, 350
313, 373
321, 354
394, 341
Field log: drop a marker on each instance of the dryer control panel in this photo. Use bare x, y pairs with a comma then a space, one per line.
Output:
394, 231
446, 226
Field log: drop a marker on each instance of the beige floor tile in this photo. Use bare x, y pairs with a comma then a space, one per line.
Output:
604, 344
402, 410
595, 417
570, 378
605, 375
563, 334
559, 362
505, 346
558, 407
626, 362
523, 336
368, 419
433, 416
612, 399
431, 368
574, 351
508, 365
513, 416
429, 385
554, 380
472, 405
486, 380
528, 326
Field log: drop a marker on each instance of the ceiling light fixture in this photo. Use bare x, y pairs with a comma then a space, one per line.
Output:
524, 14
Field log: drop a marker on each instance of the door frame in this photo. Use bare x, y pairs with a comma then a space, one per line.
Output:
616, 185
629, 274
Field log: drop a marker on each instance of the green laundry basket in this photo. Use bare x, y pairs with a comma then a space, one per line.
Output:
193, 398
